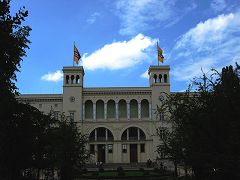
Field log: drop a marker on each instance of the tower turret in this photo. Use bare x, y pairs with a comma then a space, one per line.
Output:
72, 92
160, 84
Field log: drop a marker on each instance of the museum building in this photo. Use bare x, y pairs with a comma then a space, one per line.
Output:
120, 122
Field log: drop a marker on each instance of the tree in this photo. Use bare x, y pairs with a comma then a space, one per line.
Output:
207, 124
67, 148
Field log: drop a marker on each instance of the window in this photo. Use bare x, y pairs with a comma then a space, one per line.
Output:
162, 134
110, 148
124, 148
142, 148
55, 105
161, 116
92, 151
71, 116
40, 105
56, 115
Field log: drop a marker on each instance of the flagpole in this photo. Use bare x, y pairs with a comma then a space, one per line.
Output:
157, 53
73, 52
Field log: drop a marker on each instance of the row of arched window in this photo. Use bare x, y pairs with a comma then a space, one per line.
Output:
71, 79
119, 110
160, 78
104, 134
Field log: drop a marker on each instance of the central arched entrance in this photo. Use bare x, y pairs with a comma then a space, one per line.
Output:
100, 139
131, 137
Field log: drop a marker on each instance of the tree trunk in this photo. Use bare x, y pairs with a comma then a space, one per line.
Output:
175, 169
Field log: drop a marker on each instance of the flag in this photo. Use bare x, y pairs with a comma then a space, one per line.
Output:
160, 56
77, 55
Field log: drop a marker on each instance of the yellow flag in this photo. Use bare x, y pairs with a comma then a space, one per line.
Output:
160, 56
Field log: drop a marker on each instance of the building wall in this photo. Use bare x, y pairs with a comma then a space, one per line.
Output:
75, 99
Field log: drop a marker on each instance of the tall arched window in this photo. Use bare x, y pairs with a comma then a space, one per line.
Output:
165, 78
88, 109
100, 109
111, 110
144, 108
155, 78
160, 78
101, 134
67, 79
122, 109
133, 133
72, 79
77, 79
133, 108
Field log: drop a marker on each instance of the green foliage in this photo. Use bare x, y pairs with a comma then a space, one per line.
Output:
120, 171
14, 41
206, 126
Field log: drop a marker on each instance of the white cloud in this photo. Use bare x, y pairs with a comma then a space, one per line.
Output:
210, 44
218, 5
145, 75
93, 18
55, 76
119, 55
141, 15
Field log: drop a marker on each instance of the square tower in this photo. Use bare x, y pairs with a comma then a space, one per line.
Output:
160, 84
72, 92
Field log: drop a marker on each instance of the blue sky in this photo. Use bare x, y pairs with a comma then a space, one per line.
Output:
117, 40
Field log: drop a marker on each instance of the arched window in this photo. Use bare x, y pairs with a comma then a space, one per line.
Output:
77, 79
133, 108
155, 78
88, 109
101, 134
133, 133
100, 109
122, 109
72, 79
111, 110
67, 79
144, 108
160, 78
165, 78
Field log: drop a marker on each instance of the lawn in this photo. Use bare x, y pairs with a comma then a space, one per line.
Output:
127, 173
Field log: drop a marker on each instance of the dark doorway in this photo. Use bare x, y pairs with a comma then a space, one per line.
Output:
133, 153
101, 152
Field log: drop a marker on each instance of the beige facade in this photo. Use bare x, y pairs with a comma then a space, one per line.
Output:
120, 122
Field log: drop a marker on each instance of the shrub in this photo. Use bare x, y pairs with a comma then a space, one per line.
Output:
141, 169
120, 171
146, 173
95, 173
101, 169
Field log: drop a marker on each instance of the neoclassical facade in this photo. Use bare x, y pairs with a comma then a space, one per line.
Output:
120, 122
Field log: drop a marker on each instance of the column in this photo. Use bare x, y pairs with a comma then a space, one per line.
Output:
138, 134
150, 111
94, 111
127, 134
95, 134
138, 151
139, 111
105, 111
106, 133
83, 111
117, 114
128, 111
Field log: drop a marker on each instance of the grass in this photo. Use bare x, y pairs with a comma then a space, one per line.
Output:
128, 173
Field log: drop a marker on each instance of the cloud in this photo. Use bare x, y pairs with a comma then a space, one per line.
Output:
55, 76
145, 75
119, 55
136, 15
93, 18
213, 43
218, 5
